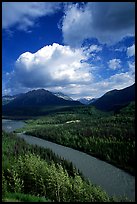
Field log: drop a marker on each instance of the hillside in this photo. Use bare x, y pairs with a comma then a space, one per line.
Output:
36, 102
7, 99
115, 99
40, 97
46, 175
108, 136
61, 95
86, 101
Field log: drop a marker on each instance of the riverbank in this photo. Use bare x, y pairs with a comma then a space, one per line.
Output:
23, 118
109, 177
108, 137
27, 171
104, 135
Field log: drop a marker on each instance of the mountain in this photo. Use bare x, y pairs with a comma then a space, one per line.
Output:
61, 95
7, 98
115, 99
40, 97
93, 100
86, 101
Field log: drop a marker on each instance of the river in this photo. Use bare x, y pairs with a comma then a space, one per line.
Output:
113, 180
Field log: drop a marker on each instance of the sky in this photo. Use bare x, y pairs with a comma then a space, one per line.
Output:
80, 49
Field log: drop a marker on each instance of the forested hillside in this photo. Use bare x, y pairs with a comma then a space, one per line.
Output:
116, 99
30, 173
108, 136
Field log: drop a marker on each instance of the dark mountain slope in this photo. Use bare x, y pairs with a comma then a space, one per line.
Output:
115, 99
86, 101
7, 98
36, 102
39, 97
61, 95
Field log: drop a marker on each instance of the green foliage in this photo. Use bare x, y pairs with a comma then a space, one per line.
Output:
4, 185
108, 136
30, 174
33, 170
18, 197
15, 184
13, 147
41, 179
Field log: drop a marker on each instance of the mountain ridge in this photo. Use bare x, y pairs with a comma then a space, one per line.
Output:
110, 101
39, 97
86, 101
114, 99
62, 95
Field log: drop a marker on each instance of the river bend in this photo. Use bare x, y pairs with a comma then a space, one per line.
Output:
112, 179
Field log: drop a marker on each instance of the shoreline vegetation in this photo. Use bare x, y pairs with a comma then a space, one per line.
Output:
49, 178
107, 136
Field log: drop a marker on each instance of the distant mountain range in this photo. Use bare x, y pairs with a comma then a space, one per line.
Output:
34, 103
115, 99
61, 95
35, 98
38, 99
87, 101
6, 99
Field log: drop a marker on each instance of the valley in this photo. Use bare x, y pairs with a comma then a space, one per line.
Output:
105, 135
68, 102
113, 180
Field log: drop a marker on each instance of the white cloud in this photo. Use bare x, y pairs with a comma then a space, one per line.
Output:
121, 49
24, 14
53, 65
75, 25
92, 52
96, 89
117, 81
131, 51
131, 66
121, 80
28, 77
109, 22
59, 68
98, 58
94, 48
114, 64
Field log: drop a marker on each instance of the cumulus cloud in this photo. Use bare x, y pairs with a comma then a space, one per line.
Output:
96, 89
117, 81
114, 64
131, 51
75, 24
94, 48
62, 68
92, 52
53, 65
109, 22
131, 66
92, 89
59, 68
24, 14
121, 49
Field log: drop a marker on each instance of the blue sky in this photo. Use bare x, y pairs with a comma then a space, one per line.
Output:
80, 49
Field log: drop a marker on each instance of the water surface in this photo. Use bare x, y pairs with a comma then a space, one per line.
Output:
112, 179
